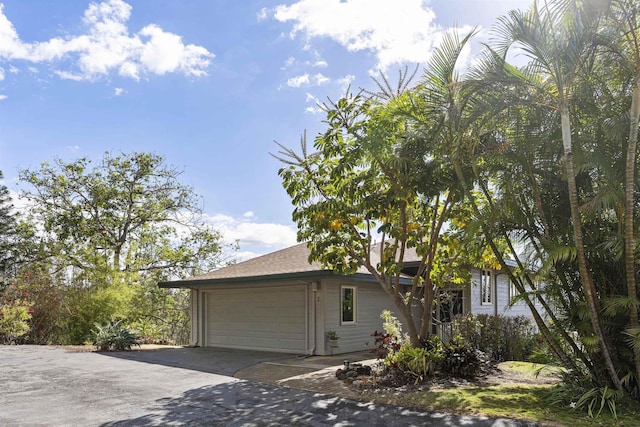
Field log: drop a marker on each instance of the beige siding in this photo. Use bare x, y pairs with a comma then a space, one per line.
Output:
371, 301
266, 318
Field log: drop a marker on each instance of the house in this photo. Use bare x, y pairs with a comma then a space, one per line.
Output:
282, 302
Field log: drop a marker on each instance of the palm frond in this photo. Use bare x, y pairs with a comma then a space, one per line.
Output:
619, 305
386, 91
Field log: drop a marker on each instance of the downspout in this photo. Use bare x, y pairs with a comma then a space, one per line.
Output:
312, 328
495, 294
194, 315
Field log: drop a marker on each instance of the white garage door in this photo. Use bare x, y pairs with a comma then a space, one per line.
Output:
270, 318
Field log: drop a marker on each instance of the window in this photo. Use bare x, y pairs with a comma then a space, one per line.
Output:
450, 305
513, 291
348, 298
486, 287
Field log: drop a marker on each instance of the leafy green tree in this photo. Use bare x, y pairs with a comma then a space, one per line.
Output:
557, 38
364, 185
7, 234
558, 147
113, 229
624, 22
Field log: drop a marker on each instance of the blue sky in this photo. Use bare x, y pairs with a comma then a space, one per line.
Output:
209, 85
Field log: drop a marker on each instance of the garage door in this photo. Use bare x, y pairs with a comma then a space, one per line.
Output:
263, 319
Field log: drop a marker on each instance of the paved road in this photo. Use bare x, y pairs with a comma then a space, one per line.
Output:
45, 386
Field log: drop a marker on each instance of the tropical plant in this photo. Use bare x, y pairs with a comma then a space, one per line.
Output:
332, 335
415, 363
460, 359
364, 182
560, 136
113, 336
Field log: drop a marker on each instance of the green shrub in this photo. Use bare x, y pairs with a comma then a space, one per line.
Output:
580, 391
460, 359
114, 337
501, 337
15, 313
408, 363
541, 355
415, 363
391, 339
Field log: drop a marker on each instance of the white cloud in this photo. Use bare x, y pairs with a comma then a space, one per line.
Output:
289, 62
68, 75
321, 63
307, 80
3, 97
298, 80
118, 91
262, 14
318, 61
13, 70
320, 79
1, 73
396, 32
346, 81
107, 46
251, 234
315, 109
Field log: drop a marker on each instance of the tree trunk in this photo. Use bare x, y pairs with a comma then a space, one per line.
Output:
629, 237
427, 307
407, 315
542, 327
587, 283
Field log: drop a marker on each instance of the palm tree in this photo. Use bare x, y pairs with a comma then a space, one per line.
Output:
625, 45
449, 117
557, 40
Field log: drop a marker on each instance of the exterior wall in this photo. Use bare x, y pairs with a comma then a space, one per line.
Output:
200, 302
193, 315
504, 294
502, 298
323, 310
371, 300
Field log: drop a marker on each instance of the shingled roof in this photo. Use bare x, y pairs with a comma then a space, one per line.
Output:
286, 263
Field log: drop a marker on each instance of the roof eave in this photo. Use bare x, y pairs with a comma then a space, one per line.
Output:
305, 275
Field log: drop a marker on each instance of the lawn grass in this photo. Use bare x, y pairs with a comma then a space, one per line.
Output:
530, 368
521, 401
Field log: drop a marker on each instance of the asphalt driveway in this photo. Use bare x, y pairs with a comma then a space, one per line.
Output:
45, 386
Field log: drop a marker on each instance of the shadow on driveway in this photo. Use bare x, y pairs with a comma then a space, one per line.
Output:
220, 361
246, 403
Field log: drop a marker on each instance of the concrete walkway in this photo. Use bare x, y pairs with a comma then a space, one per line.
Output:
45, 386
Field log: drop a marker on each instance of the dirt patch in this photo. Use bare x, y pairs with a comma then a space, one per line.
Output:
325, 381
496, 376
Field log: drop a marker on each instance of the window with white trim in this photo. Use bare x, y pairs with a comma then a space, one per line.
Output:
513, 290
486, 287
348, 305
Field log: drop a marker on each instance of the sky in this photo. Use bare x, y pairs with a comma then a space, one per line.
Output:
207, 84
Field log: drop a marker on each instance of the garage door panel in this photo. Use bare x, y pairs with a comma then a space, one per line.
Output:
270, 318
267, 327
289, 328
